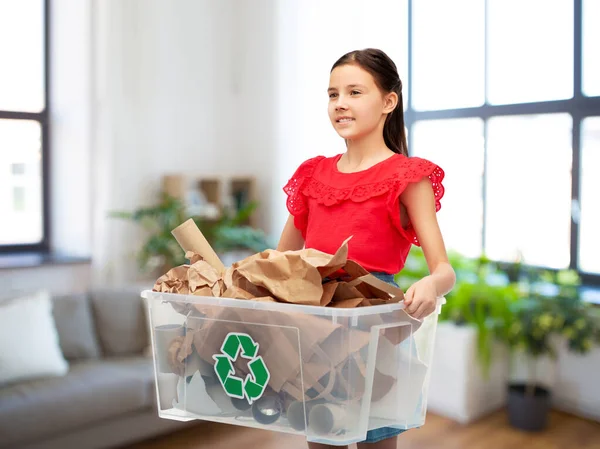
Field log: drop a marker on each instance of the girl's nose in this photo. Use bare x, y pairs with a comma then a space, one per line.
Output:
340, 105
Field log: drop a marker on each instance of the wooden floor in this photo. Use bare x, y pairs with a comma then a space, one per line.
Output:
492, 432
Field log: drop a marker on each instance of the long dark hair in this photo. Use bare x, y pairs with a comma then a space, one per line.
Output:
385, 73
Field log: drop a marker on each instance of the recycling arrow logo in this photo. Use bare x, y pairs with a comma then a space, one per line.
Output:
252, 388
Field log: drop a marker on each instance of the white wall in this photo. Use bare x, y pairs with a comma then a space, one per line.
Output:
176, 88
70, 119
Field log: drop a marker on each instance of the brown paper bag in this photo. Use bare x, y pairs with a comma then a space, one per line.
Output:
328, 292
291, 276
286, 276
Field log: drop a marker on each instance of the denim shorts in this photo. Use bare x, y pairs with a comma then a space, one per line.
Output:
382, 433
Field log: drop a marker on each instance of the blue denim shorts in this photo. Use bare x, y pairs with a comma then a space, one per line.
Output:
375, 435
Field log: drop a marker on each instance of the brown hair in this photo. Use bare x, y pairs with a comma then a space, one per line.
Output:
385, 73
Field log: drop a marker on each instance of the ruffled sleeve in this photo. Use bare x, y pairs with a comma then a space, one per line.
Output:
414, 170
296, 202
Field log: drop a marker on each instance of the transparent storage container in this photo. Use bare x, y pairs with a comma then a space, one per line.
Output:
328, 373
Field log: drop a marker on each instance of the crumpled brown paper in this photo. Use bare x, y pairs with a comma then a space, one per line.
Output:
297, 277
199, 278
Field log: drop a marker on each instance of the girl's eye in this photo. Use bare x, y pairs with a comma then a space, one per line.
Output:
355, 92
332, 95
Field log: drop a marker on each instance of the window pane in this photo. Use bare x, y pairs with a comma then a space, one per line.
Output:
589, 223
530, 50
21, 189
22, 55
528, 191
591, 48
456, 146
448, 54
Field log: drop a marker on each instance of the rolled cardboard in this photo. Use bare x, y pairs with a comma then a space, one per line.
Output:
190, 238
267, 409
164, 335
295, 413
325, 419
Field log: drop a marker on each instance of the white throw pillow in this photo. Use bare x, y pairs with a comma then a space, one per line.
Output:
29, 344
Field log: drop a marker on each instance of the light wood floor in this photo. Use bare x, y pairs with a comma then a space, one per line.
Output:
492, 432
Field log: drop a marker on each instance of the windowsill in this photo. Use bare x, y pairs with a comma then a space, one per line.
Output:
37, 259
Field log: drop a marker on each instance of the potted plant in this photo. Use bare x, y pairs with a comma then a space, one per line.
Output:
549, 311
161, 251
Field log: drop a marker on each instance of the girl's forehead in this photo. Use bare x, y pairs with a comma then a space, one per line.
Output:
350, 74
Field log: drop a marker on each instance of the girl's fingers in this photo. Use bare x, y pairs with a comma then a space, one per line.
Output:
413, 306
408, 296
423, 311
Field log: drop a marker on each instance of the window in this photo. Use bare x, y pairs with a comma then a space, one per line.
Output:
591, 48
461, 216
530, 55
23, 124
505, 97
528, 195
590, 186
448, 54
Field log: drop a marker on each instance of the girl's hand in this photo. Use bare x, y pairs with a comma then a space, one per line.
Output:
421, 298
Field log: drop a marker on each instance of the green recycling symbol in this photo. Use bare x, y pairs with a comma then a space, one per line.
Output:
253, 387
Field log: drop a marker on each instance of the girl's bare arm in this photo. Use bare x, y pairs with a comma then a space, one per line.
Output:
291, 238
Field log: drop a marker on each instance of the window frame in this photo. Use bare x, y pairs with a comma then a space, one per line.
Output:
579, 107
42, 118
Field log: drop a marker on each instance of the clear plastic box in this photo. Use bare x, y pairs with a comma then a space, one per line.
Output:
328, 373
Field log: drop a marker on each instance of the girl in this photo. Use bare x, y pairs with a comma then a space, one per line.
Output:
374, 192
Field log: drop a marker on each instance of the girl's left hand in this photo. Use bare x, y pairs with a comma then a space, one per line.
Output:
421, 298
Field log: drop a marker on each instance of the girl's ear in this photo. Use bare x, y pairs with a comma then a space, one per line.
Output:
390, 101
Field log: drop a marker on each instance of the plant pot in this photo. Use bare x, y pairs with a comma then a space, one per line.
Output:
458, 388
527, 411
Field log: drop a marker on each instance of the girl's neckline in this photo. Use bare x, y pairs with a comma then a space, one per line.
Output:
339, 156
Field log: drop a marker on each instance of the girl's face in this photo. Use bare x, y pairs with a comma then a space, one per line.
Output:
356, 105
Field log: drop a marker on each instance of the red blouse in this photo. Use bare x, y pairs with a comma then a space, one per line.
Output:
329, 206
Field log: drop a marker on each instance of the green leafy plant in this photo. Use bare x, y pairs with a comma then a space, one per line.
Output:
483, 297
520, 306
550, 309
160, 248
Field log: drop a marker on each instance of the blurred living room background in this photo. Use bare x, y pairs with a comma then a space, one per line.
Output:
119, 119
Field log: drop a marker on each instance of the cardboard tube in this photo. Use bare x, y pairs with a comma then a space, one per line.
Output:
267, 409
190, 238
326, 419
167, 390
295, 413
164, 335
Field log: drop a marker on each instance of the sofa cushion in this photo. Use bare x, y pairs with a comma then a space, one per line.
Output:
120, 320
29, 342
75, 325
92, 391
